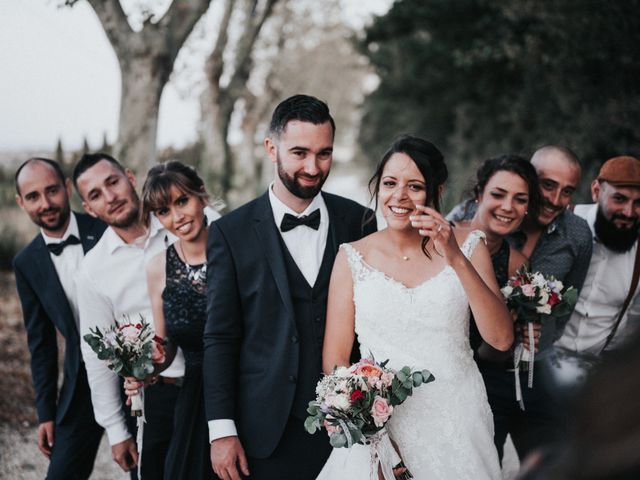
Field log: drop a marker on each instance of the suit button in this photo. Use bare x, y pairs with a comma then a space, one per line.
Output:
319, 340
292, 378
317, 319
294, 339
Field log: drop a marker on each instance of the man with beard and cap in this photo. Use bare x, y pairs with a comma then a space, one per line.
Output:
269, 264
112, 286
45, 278
556, 242
614, 220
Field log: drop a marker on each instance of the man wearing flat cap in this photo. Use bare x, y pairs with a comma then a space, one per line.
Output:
608, 308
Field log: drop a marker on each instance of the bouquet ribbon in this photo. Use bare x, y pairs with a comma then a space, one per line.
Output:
137, 405
518, 356
382, 454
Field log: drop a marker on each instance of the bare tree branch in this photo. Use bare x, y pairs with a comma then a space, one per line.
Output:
114, 21
215, 63
179, 20
251, 31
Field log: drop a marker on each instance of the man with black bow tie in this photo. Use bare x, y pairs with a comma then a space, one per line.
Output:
45, 270
269, 264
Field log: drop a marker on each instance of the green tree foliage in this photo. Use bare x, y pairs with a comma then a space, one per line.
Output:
486, 77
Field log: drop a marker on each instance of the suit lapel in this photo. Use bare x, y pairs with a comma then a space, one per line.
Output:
267, 232
339, 229
89, 235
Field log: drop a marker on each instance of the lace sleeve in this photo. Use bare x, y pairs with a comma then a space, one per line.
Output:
358, 269
471, 241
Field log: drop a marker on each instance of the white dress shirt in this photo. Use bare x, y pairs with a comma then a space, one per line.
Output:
112, 282
605, 290
306, 247
67, 263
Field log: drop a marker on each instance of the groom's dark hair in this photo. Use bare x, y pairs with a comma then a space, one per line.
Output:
300, 107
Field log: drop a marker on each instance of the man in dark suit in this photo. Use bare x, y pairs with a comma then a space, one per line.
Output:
68, 434
269, 264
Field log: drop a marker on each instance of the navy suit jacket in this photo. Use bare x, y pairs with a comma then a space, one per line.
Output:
46, 309
251, 362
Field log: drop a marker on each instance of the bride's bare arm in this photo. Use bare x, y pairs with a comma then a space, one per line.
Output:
340, 325
492, 317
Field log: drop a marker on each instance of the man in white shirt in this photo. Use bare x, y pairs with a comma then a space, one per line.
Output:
269, 264
112, 283
614, 221
45, 271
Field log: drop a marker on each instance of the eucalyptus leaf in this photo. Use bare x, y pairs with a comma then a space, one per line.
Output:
338, 440
310, 425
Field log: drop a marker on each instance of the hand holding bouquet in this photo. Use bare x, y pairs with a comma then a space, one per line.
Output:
535, 298
130, 350
354, 404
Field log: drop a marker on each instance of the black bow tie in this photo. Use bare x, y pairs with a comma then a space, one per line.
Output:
289, 222
57, 248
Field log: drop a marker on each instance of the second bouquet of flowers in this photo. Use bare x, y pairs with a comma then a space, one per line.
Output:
354, 404
535, 298
130, 349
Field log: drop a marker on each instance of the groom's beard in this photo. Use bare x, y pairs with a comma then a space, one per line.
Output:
614, 238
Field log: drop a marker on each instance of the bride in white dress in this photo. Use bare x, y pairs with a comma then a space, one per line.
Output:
408, 301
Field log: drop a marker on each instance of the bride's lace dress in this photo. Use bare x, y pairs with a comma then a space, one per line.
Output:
445, 430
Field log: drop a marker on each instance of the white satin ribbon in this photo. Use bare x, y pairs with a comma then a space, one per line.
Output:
382, 454
517, 358
521, 354
137, 403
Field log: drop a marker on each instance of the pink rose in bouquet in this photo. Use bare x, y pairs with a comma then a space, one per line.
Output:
381, 411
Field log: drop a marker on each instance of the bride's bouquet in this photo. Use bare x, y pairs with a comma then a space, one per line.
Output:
535, 298
354, 404
130, 349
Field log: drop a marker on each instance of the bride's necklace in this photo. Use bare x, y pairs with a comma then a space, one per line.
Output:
197, 275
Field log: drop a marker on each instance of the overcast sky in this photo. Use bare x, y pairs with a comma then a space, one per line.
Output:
60, 78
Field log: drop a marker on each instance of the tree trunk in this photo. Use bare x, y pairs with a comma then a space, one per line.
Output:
142, 84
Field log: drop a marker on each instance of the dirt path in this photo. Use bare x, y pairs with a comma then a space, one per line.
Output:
20, 458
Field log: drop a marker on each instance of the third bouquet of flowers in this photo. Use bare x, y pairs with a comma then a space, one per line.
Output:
130, 349
535, 298
354, 404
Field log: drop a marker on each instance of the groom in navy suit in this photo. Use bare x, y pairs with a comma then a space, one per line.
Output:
67, 433
269, 264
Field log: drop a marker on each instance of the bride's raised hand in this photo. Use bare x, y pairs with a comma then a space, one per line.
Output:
430, 223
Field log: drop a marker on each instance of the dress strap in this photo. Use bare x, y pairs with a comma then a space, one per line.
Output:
358, 267
471, 241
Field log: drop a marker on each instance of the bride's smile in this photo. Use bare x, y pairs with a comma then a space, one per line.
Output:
402, 187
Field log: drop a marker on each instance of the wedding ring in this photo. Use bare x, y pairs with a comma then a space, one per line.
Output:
439, 227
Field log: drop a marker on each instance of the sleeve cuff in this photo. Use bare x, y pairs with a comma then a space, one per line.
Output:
222, 428
117, 434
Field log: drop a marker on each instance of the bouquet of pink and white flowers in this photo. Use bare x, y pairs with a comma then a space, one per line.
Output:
130, 349
354, 404
535, 298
